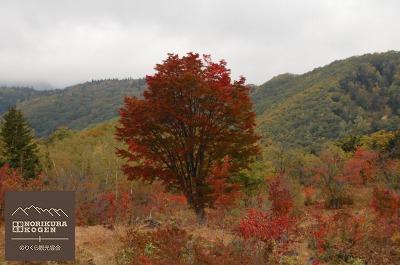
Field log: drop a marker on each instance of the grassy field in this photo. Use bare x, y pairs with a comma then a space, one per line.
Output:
96, 245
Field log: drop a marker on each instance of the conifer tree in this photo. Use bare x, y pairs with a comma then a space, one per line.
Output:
19, 149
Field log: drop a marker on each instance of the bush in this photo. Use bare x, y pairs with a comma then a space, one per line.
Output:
11, 180
386, 204
274, 228
172, 245
347, 238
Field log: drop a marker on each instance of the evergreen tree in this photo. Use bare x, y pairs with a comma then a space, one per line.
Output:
19, 149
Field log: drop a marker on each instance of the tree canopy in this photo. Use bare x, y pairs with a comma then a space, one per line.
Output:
191, 121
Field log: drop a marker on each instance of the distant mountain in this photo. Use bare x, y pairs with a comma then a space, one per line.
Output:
10, 96
357, 95
37, 85
78, 106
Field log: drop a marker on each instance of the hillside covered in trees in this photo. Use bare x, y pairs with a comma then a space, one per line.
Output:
10, 96
76, 107
354, 96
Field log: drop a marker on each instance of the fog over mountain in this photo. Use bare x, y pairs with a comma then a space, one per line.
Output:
68, 42
36, 85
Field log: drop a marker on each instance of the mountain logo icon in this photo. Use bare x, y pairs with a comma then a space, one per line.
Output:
38, 210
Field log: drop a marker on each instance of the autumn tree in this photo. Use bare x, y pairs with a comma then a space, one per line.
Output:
191, 118
329, 175
19, 149
361, 168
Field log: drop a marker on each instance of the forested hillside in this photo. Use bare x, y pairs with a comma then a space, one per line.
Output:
79, 106
12, 95
354, 96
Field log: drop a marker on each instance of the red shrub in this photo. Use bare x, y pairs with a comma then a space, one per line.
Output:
346, 235
386, 204
271, 226
282, 202
10, 180
107, 207
111, 208
319, 232
362, 167
264, 226
339, 234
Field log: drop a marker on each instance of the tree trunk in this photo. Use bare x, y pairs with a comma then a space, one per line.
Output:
201, 216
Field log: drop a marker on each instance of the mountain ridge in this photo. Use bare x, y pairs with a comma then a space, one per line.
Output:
80, 105
357, 95
347, 96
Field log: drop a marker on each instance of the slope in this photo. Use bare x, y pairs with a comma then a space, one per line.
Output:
357, 95
79, 106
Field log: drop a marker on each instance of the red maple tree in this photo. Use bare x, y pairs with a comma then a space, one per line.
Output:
190, 118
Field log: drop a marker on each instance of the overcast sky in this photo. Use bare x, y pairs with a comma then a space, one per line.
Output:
63, 42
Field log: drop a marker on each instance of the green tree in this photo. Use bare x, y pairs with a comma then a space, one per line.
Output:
19, 149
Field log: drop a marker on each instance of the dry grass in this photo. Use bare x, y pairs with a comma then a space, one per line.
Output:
97, 244
94, 245
212, 235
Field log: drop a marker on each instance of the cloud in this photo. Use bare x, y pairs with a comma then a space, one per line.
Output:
65, 42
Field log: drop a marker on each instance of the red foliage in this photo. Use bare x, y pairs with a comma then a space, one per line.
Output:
309, 195
224, 193
329, 174
386, 204
362, 167
346, 234
178, 199
264, 226
164, 202
319, 233
143, 260
10, 180
111, 207
282, 202
343, 228
275, 225
107, 207
191, 116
